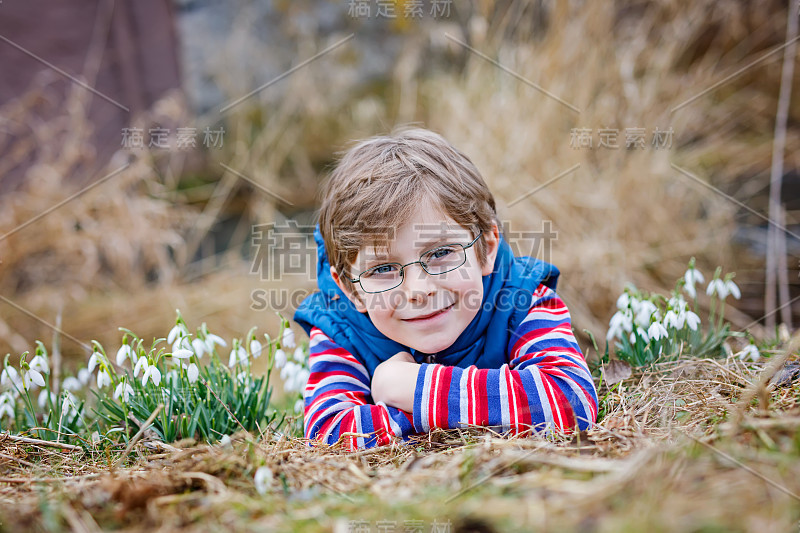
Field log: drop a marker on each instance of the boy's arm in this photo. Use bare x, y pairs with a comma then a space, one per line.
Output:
338, 400
546, 386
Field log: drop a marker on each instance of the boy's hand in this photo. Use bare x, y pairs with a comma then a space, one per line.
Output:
394, 381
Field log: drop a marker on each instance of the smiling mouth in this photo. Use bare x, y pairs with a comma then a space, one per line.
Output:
430, 315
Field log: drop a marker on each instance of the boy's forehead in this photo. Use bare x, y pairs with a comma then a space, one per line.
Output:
411, 237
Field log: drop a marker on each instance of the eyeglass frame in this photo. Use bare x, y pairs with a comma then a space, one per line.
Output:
403, 267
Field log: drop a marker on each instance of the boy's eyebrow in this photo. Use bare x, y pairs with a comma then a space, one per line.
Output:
445, 236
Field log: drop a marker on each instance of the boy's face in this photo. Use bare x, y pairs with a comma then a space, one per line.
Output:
426, 312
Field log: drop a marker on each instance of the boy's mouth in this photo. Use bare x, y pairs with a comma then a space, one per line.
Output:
429, 315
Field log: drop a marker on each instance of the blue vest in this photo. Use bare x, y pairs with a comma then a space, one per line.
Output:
485, 343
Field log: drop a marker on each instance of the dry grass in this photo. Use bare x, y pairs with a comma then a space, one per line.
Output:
662, 459
120, 257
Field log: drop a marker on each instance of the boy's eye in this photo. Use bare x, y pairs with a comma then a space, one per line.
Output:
443, 252
381, 270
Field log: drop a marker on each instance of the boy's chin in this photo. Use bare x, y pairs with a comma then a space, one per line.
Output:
433, 346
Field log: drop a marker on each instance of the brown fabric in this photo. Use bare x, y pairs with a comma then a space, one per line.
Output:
139, 63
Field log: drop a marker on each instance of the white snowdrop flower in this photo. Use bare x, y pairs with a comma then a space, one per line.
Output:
6, 406
10, 376
192, 373
640, 333
176, 333
69, 404
299, 406
691, 277
84, 375
238, 355
71, 384
255, 348
225, 441
172, 377
182, 354
299, 355
42, 401
181, 344
95, 359
141, 364
212, 339
717, 286
623, 301
657, 331
620, 323
263, 479
288, 338
32, 376
750, 352
242, 376
124, 391
692, 320
199, 347
288, 371
153, 374
646, 310
280, 358
124, 353
733, 289
40, 363
671, 320
103, 379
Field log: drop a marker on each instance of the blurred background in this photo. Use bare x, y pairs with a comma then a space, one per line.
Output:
167, 154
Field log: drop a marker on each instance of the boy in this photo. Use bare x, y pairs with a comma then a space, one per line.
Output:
424, 317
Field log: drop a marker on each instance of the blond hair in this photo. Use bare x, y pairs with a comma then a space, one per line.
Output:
377, 183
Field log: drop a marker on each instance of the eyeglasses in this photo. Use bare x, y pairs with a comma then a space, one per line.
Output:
436, 261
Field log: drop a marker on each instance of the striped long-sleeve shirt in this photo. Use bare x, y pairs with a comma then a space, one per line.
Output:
545, 385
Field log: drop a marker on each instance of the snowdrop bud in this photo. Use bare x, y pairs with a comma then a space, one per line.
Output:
656, 331
199, 347
71, 384
123, 353
94, 359
750, 353
42, 401
212, 339
288, 338
692, 320
176, 333
299, 355
255, 348
733, 289
225, 441
263, 479
193, 373
182, 354
141, 364
103, 379
32, 376
84, 375
623, 301
40, 363
6, 406
280, 358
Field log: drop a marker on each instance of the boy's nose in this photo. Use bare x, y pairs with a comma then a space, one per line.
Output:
417, 283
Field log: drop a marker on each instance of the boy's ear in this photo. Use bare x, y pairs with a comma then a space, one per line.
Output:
492, 239
360, 307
